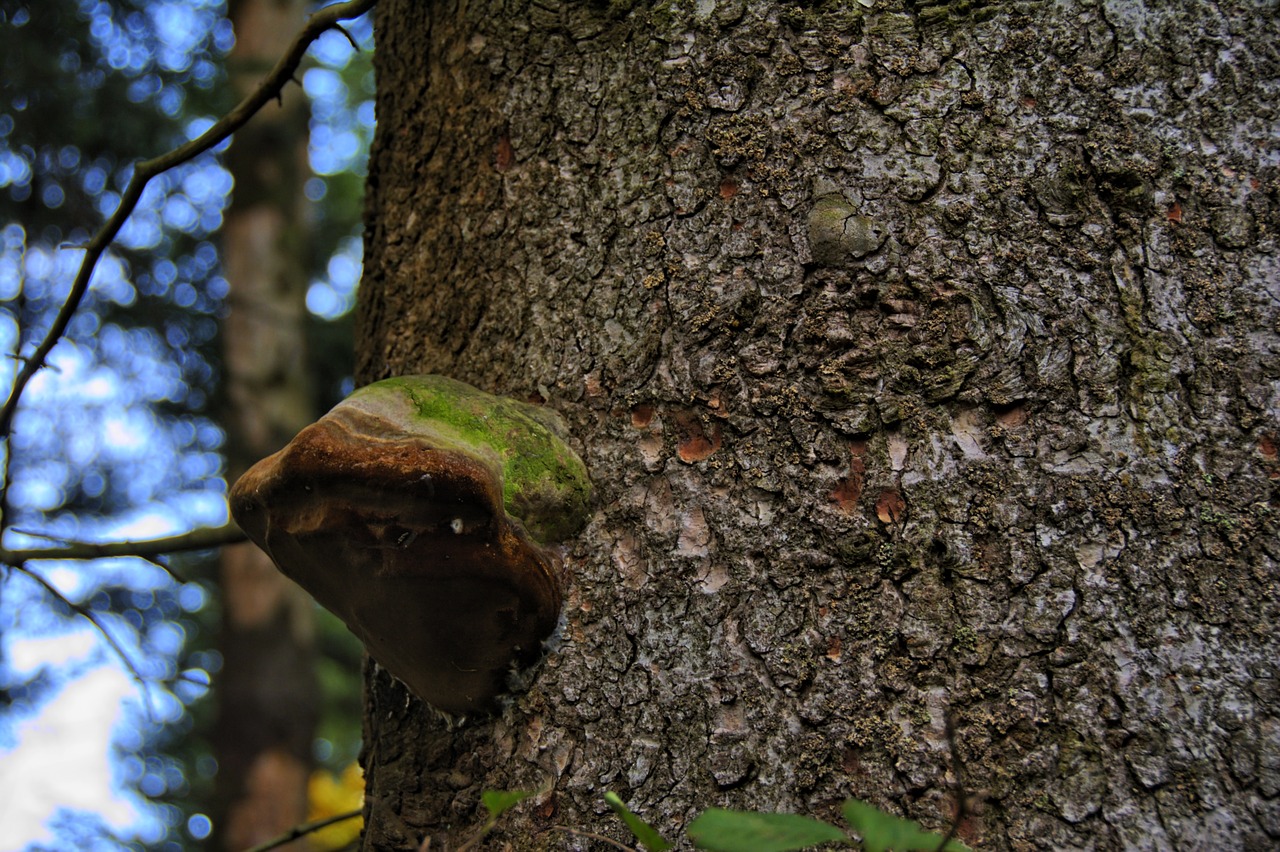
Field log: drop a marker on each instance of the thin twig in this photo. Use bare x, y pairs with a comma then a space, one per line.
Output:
340, 28
270, 88
163, 564
592, 836
475, 839
88, 614
205, 538
194, 681
962, 797
303, 830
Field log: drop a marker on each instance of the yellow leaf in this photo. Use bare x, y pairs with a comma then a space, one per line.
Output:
329, 795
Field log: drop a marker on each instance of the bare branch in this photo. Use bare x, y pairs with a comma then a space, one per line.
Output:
202, 539
963, 804
88, 614
592, 836
340, 28
269, 89
207, 682
163, 564
303, 830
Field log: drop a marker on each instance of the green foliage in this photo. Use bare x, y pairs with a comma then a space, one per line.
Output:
645, 833
743, 831
881, 831
498, 802
720, 830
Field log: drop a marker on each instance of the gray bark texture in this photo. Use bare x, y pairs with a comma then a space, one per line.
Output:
926, 360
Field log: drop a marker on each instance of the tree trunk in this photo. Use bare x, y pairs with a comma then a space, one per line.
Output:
267, 691
925, 361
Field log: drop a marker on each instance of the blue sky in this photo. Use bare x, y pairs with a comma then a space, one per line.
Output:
99, 420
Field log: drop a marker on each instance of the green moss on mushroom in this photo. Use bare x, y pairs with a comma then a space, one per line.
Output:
544, 483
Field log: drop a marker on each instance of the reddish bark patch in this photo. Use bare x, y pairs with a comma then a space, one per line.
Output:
728, 188
693, 442
1013, 416
834, 649
968, 823
969, 830
641, 415
846, 493
848, 490
993, 556
503, 155
890, 506
1175, 213
1267, 446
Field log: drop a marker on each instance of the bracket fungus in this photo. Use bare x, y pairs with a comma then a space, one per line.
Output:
421, 512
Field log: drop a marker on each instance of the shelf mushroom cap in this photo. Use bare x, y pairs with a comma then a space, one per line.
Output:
420, 511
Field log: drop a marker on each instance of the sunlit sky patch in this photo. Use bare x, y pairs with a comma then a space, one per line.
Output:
332, 296
59, 762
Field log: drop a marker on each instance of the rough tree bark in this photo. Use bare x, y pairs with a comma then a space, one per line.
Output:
267, 690
925, 359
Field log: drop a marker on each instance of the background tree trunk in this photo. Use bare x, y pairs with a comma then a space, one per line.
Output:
267, 691
925, 359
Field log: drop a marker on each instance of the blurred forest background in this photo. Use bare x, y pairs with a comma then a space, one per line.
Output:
122, 437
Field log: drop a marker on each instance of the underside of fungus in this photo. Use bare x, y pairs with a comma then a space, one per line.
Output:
420, 511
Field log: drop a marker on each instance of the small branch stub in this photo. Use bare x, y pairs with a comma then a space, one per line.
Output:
420, 511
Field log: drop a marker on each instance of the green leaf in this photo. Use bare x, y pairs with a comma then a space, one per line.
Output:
496, 802
644, 832
741, 831
881, 831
